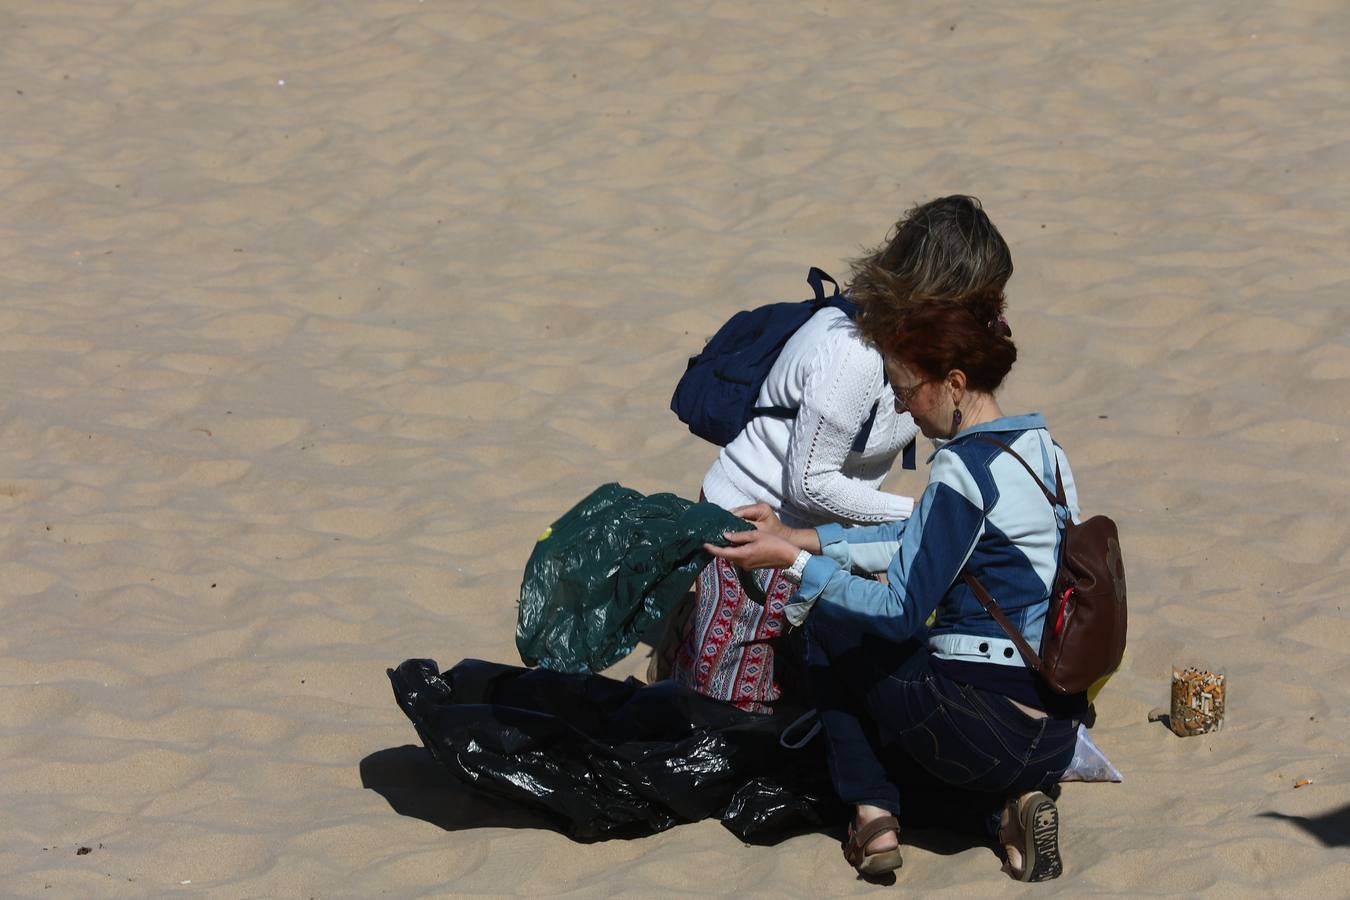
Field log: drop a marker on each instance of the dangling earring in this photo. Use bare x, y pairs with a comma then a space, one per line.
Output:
956, 420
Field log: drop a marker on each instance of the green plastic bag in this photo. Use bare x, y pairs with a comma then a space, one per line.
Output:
610, 569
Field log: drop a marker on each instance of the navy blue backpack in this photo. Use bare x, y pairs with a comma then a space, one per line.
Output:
716, 394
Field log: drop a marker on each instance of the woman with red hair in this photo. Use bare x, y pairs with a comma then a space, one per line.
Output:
950, 712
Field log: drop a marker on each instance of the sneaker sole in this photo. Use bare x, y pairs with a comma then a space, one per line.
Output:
1040, 859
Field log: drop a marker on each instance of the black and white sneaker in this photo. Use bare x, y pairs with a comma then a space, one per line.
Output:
1038, 819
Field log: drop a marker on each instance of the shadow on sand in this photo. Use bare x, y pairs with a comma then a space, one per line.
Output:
1331, 828
415, 785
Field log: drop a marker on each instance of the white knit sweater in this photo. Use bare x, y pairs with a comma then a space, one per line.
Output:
804, 467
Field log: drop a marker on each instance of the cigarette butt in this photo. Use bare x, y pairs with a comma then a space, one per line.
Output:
1302, 782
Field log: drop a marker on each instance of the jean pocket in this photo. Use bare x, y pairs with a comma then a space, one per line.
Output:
940, 746
1057, 745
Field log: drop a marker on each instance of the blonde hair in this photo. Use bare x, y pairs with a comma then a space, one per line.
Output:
943, 251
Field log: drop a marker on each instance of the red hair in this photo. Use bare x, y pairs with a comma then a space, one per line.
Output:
935, 338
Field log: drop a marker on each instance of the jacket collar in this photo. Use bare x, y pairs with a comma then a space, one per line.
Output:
1004, 423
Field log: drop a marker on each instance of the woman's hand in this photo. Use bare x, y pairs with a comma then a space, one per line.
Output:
762, 516
766, 522
755, 549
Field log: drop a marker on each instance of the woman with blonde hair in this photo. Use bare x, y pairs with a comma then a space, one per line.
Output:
827, 463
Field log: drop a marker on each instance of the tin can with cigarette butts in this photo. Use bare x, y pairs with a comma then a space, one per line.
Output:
1197, 701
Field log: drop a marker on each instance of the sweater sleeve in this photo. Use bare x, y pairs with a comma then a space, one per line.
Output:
866, 548
841, 386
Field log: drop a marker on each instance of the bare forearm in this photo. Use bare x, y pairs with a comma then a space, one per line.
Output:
805, 539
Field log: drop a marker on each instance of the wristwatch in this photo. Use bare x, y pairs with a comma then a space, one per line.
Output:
794, 572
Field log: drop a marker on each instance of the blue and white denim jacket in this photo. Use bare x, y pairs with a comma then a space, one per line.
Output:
981, 509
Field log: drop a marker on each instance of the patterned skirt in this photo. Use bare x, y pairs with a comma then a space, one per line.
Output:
725, 648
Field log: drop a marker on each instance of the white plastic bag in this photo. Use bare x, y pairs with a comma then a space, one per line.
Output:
1090, 763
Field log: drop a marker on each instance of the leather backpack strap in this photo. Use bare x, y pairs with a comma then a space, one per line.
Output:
991, 607
1060, 497
1057, 497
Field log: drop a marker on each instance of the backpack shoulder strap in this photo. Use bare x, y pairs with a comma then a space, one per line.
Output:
988, 602
991, 607
1058, 498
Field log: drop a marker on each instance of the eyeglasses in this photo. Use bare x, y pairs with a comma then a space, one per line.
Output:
905, 396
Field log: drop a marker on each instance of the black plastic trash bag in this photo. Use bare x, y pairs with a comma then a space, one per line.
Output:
611, 568
615, 759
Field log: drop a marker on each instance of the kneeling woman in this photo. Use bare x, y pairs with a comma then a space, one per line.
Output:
947, 716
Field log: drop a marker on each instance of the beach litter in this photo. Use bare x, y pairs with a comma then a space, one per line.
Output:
1197, 701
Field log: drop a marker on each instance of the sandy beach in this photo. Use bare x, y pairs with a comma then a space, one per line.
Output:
314, 315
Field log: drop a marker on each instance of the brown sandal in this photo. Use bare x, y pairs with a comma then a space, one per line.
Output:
855, 849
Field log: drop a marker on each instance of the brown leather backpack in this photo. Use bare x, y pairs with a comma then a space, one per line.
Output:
1084, 635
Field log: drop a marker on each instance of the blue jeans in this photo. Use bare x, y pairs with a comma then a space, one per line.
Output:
909, 740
